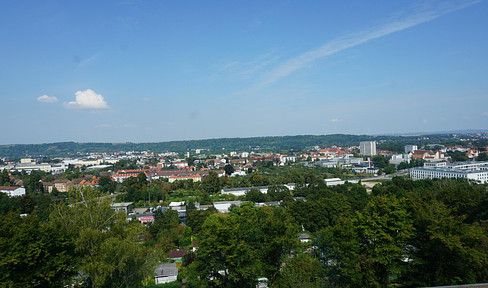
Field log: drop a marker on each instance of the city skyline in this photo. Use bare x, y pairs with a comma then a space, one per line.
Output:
130, 71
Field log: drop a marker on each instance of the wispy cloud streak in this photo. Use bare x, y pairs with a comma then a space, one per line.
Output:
250, 68
334, 46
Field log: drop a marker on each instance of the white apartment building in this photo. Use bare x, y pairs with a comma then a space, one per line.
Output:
367, 148
473, 171
12, 191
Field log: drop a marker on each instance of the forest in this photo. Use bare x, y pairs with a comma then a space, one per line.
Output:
402, 233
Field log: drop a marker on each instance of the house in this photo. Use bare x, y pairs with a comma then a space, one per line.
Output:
48, 186
165, 273
62, 185
177, 255
304, 238
125, 206
427, 155
175, 205
12, 191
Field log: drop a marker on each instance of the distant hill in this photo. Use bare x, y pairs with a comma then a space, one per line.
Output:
266, 144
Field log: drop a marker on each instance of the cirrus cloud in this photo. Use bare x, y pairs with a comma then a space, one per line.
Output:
87, 99
47, 99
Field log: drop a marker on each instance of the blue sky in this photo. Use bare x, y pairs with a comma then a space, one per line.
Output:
147, 71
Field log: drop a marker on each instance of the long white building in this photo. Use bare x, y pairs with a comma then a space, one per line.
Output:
477, 171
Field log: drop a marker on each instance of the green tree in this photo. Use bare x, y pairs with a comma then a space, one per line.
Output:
390, 169
302, 271
196, 218
278, 192
109, 248
106, 184
33, 183
256, 196
380, 161
4, 178
211, 184
368, 249
482, 157
228, 169
34, 253
236, 249
448, 250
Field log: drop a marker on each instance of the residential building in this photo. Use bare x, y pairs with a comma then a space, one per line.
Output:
121, 175
367, 148
125, 206
165, 273
62, 185
428, 155
12, 191
178, 177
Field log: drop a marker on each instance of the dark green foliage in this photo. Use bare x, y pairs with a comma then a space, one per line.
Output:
106, 184
368, 247
8, 204
228, 169
33, 183
380, 161
248, 243
457, 156
256, 196
211, 184
302, 271
4, 178
482, 157
413, 163
278, 192
164, 221
196, 218
34, 254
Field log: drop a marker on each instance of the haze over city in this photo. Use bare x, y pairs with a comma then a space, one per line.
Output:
145, 71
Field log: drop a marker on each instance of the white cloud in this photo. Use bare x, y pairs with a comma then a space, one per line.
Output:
348, 41
87, 99
335, 120
47, 99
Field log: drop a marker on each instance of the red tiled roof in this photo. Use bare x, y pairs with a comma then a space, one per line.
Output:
11, 188
177, 254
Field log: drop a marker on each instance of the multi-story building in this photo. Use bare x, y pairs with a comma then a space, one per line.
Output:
477, 171
367, 148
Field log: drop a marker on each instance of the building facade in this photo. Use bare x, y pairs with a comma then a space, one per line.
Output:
476, 171
367, 148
